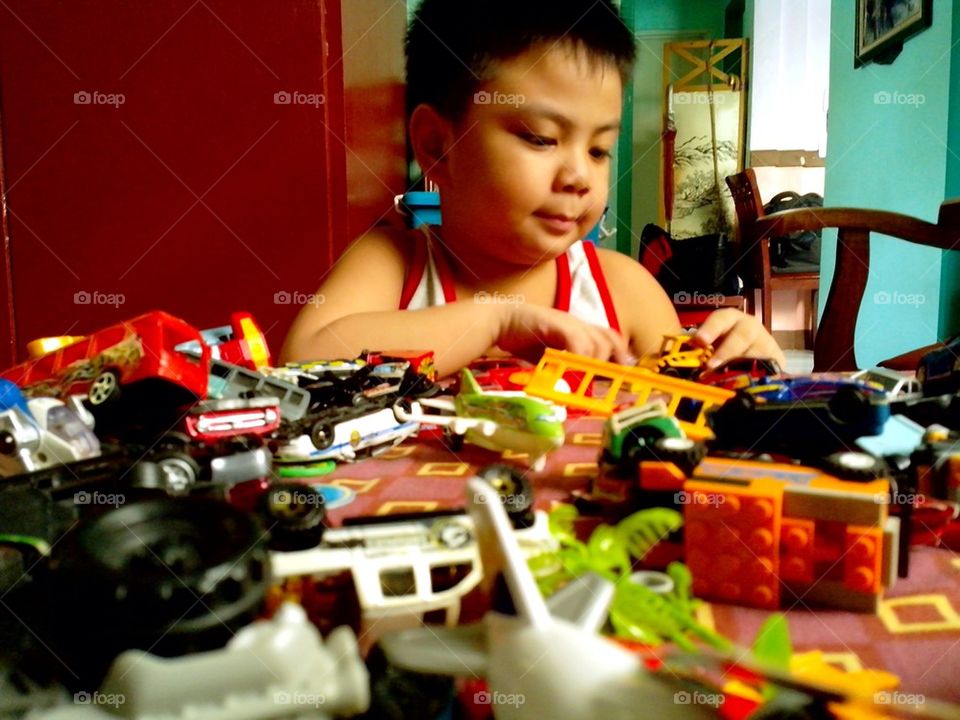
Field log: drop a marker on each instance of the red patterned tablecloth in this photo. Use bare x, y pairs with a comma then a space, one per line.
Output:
915, 634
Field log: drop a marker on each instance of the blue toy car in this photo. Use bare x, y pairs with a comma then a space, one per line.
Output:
801, 416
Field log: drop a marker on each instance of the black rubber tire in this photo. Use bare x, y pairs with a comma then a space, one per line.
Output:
296, 516
684, 452
514, 489
321, 435
856, 466
849, 405
638, 446
105, 389
178, 470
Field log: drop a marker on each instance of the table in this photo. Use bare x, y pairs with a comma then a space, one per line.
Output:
915, 635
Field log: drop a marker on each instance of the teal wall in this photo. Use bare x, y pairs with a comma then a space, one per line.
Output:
707, 15
887, 148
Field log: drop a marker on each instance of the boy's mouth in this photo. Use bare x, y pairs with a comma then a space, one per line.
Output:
558, 222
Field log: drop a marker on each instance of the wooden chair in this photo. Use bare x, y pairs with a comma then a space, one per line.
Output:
754, 263
833, 346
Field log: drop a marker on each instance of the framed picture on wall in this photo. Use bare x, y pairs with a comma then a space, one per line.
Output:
884, 25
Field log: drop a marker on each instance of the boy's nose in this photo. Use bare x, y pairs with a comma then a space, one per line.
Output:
572, 178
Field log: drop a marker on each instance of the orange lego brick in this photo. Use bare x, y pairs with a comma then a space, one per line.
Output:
732, 541
796, 549
862, 563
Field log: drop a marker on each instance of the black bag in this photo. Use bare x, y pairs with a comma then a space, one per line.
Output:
695, 265
799, 251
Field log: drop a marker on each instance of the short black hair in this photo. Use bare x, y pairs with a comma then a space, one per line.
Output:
453, 45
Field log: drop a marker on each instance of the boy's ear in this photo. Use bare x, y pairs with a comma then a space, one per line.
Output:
430, 136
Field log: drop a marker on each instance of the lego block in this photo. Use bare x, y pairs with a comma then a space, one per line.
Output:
732, 540
796, 549
862, 560
806, 501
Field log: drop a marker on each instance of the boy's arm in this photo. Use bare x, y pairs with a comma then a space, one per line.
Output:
643, 308
356, 309
646, 315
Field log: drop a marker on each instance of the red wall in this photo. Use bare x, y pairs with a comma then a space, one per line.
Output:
199, 194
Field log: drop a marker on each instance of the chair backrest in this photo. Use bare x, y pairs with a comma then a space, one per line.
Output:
833, 346
754, 254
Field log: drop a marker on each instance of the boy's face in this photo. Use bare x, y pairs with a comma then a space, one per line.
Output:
527, 168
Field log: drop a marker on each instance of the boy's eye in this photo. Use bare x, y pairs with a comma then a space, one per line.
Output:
600, 153
537, 140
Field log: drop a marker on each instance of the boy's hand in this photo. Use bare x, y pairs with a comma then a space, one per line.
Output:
527, 329
735, 334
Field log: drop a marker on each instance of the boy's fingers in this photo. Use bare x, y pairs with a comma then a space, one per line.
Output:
716, 325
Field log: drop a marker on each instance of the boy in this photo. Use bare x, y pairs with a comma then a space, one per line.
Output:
515, 110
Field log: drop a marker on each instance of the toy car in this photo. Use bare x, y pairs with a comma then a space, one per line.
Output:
739, 372
895, 384
647, 432
802, 416
678, 357
368, 428
140, 352
42, 432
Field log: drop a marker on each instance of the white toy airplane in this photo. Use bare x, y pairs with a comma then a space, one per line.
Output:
546, 661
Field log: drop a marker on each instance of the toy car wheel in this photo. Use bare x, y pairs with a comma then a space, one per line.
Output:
171, 575
296, 515
105, 388
849, 405
178, 471
855, 466
321, 434
515, 491
671, 372
683, 452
